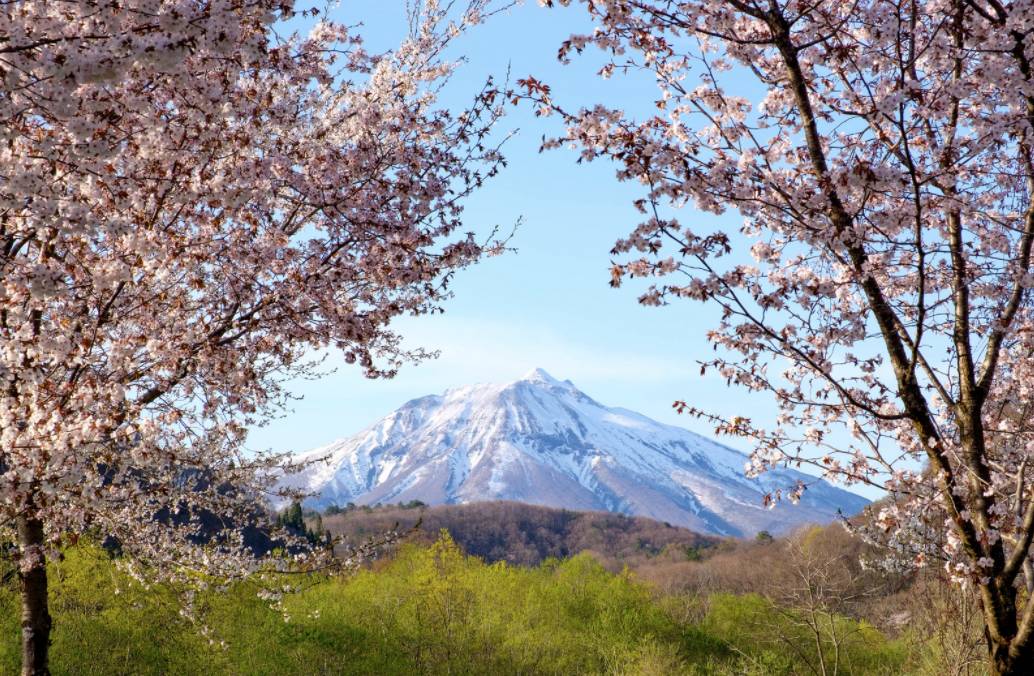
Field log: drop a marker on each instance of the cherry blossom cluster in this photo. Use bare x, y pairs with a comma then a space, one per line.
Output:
880, 157
190, 204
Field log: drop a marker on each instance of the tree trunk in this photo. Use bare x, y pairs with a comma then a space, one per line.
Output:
35, 613
1002, 663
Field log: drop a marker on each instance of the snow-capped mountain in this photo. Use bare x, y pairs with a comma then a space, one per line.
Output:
542, 441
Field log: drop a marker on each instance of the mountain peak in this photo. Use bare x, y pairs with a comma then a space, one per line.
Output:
540, 440
539, 375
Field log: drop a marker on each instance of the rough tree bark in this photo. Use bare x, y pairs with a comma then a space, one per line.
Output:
36, 621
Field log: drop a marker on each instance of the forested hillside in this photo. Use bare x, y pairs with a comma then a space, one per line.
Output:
820, 572
433, 610
641, 598
524, 534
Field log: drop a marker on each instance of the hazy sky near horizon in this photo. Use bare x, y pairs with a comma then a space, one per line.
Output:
549, 303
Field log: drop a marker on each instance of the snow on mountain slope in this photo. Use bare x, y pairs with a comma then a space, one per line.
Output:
542, 441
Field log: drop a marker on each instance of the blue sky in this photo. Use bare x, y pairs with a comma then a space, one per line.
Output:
548, 304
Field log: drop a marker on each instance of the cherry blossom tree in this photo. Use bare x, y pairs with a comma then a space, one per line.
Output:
191, 203
879, 153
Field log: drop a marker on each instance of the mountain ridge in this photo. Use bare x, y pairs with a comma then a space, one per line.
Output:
540, 440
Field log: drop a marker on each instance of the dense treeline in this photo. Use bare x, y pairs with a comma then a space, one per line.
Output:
524, 534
